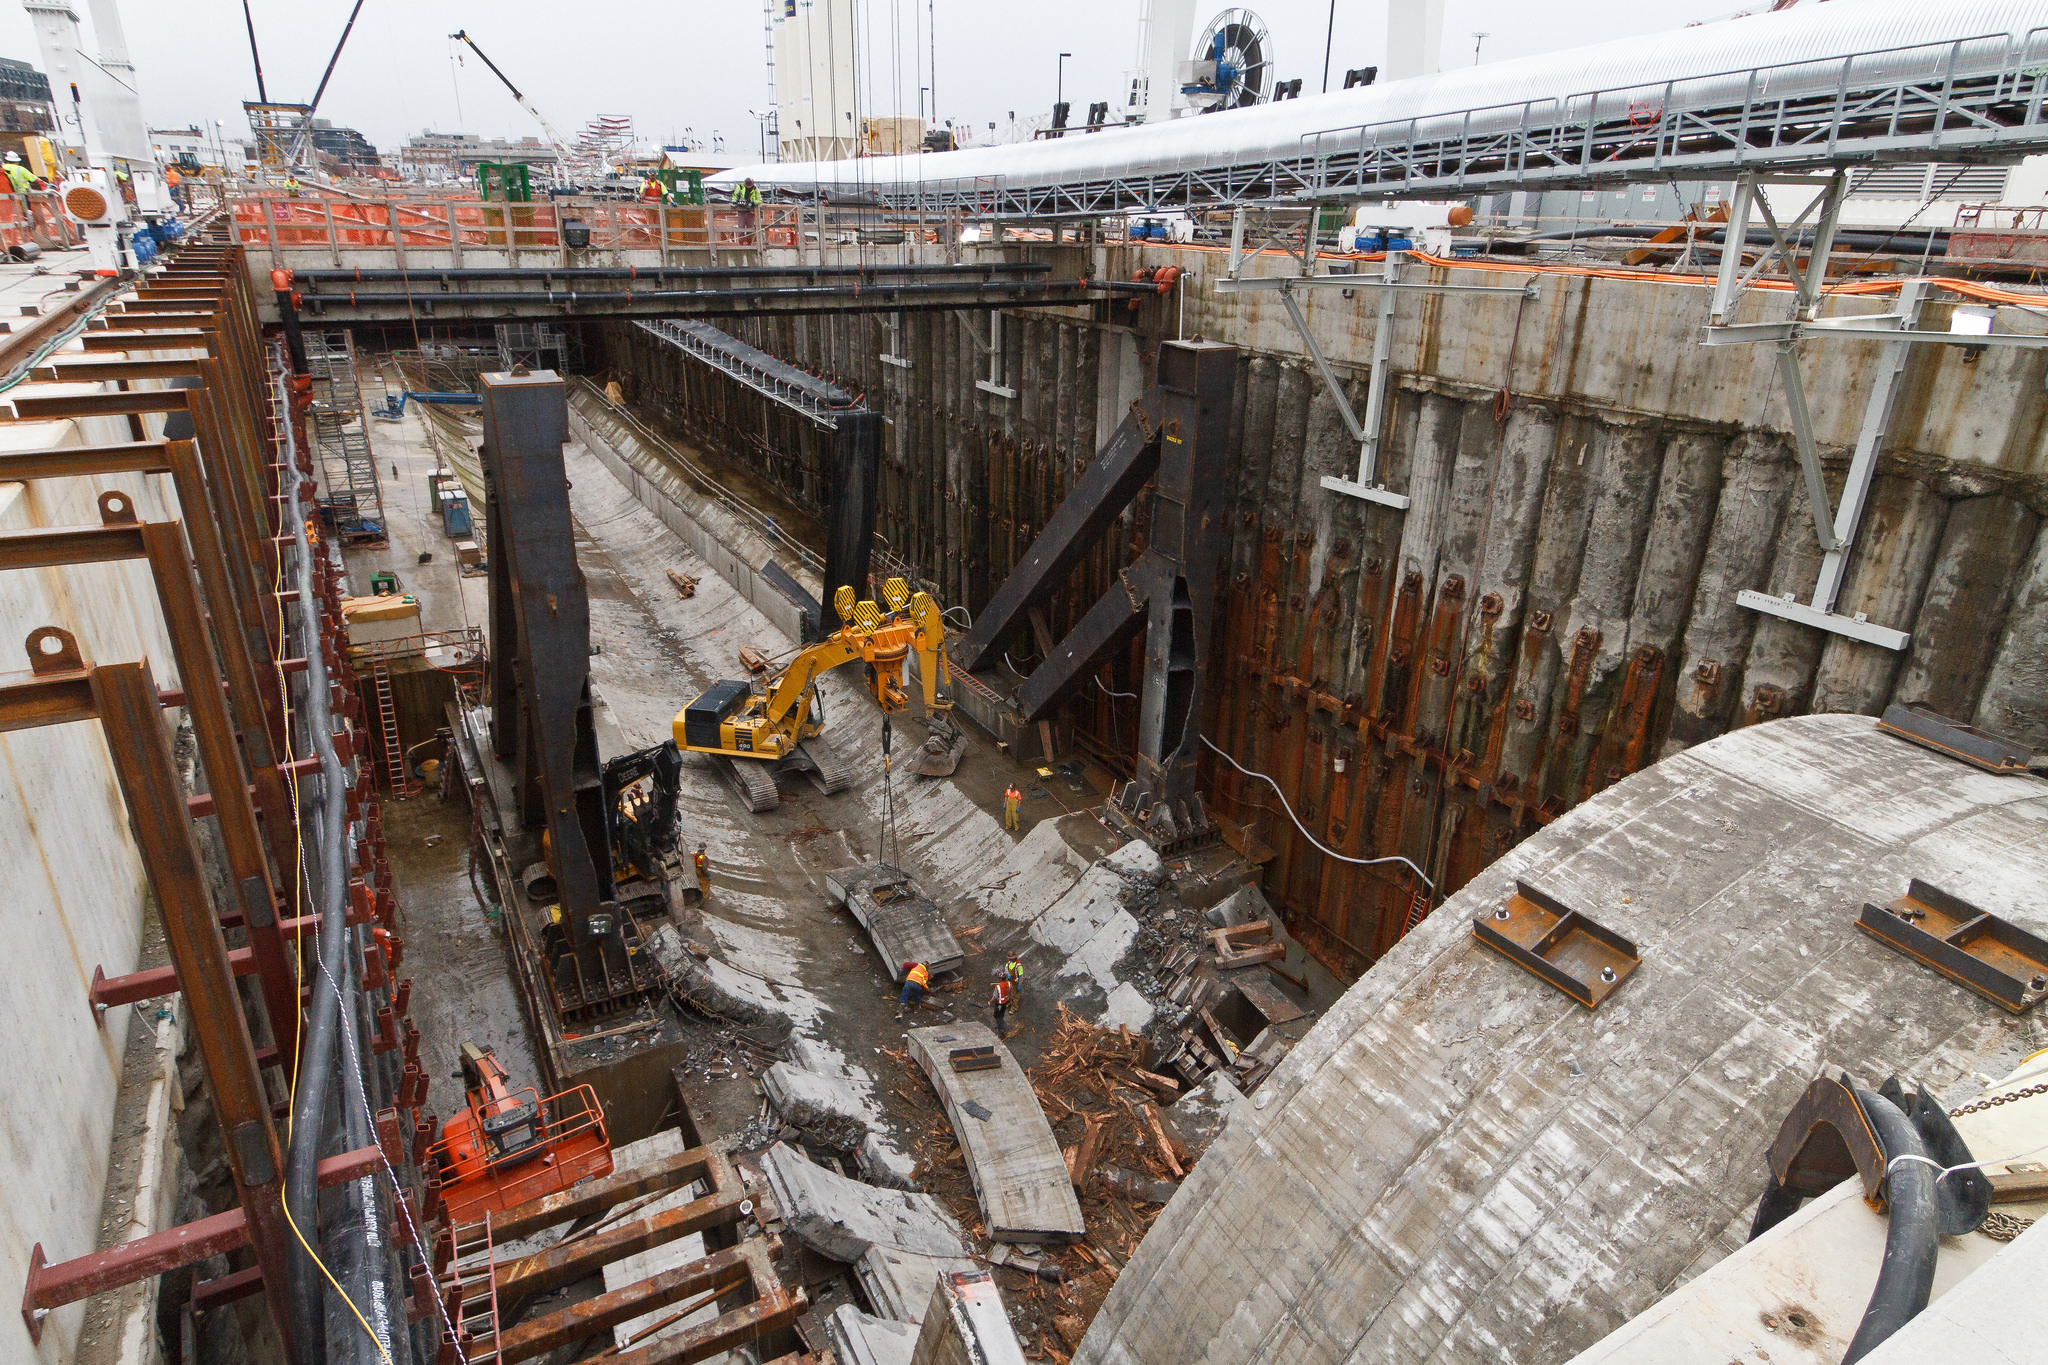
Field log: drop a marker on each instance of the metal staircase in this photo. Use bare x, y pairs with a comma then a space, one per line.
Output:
352, 498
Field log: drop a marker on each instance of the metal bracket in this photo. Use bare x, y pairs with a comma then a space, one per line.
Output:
894, 323
1983, 952
1836, 525
1367, 431
1731, 281
1557, 944
994, 351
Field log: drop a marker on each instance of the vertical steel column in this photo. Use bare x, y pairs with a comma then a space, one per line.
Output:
1727, 277
850, 525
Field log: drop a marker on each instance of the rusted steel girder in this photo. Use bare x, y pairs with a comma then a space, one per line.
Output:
745, 1267
52, 1286
595, 1196
560, 1265
124, 699
122, 537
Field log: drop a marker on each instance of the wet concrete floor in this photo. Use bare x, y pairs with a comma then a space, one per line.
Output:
768, 916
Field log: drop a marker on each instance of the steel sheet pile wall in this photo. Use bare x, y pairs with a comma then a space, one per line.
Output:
1556, 609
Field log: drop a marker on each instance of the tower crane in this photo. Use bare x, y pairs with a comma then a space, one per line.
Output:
555, 139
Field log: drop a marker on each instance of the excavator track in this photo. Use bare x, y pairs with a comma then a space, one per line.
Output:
826, 768
753, 781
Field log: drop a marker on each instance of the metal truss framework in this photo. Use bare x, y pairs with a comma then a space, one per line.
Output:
1835, 523
1951, 101
1365, 431
777, 380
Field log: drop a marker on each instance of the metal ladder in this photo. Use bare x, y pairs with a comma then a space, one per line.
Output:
395, 775
1418, 909
469, 1295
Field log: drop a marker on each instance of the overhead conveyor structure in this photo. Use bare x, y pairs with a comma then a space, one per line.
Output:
1814, 88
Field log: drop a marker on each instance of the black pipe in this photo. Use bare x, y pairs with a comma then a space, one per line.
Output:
1913, 1226
316, 1063
294, 340
878, 298
1860, 239
666, 272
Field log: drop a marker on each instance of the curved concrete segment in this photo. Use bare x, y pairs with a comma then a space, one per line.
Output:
1460, 1164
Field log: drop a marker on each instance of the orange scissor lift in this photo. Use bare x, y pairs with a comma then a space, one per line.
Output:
509, 1147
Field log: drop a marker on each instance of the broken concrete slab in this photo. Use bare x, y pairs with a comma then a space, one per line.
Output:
1199, 1117
711, 987
901, 921
827, 1110
899, 1283
1018, 1170
651, 1151
859, 1338
967, 1324
883, 1163
1039, 869
842, 1218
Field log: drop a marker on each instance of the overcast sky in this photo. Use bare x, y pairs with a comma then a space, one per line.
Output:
680, 65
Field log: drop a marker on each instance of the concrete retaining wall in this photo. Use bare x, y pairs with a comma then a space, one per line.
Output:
76, 894
1590, 486
734, 551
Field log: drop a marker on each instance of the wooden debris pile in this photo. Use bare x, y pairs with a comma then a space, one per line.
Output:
685, 583
1200, 1042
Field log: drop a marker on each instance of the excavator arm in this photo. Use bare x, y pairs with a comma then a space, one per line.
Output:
788, 692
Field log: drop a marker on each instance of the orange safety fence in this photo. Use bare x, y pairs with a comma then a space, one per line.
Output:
448, 224
36, 217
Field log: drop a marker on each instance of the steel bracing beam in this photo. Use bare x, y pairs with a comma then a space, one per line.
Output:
1836, 521
1177, 436
1104, 489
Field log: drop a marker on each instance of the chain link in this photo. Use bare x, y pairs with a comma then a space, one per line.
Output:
2003, 1227
2041, 1089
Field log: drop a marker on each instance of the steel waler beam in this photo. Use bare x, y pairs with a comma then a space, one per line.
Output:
124, 699
122, 537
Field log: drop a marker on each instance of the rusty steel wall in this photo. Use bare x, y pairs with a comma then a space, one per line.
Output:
1554, 611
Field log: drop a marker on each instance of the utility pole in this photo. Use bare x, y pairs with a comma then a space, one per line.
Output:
1477, 39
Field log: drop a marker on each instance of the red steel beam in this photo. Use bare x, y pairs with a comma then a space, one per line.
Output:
52, 1286
31, 409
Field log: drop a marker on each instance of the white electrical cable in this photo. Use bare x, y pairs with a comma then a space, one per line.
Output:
1327, 852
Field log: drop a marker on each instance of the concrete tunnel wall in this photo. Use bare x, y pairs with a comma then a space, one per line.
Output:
76, 894
1591, 487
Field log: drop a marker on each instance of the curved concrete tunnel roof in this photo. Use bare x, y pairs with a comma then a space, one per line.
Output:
1459, 1163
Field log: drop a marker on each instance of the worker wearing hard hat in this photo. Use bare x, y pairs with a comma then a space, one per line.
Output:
746, 197
175, 184
18, 175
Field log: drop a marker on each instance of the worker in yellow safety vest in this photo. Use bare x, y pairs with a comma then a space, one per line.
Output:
1013, 801
746, 197
917, 981
703, 872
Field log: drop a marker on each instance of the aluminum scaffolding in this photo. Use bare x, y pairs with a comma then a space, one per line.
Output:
352, 499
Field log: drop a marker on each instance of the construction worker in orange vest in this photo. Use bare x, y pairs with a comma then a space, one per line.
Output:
917, 981
703, 865
1013, 801
1001, 996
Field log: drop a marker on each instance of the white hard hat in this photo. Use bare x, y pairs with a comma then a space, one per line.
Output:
14, 156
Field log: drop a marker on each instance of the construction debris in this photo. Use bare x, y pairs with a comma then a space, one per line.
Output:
685, 583
861, 1339
824, 1109
842, 1218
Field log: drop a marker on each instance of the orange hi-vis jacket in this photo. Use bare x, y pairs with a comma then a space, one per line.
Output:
919, 973
1004, 994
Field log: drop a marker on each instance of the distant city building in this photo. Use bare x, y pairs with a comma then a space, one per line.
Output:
170, 144
25, 103
345, 149
454, 156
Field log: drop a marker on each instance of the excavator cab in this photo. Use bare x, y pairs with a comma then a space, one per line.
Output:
754, 733
510, 1146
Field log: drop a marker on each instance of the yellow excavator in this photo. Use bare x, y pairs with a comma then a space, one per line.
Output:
755, 731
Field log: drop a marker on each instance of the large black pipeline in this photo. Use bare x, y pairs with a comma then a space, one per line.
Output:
1912, 1232
665, 272
310, 1129
875, 298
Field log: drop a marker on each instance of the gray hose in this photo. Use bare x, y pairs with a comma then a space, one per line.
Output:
1912, 1235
